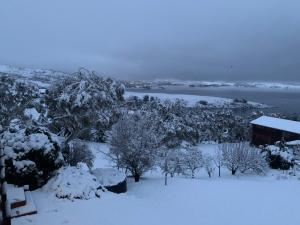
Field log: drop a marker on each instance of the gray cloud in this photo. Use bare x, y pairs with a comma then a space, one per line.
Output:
142, 39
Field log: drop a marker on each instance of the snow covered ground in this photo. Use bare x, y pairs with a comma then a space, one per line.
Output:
190, 99
242, 200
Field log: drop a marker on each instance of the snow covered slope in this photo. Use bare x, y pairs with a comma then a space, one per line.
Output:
41, 77
28, 72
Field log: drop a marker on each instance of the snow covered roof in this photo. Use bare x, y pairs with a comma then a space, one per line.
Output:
296, 142
277, 123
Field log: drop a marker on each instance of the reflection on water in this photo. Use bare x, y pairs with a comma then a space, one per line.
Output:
286, 101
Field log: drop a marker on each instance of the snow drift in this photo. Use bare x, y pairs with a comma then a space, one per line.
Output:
74, 183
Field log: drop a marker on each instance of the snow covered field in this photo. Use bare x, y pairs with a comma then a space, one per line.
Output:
190, 99
242, 200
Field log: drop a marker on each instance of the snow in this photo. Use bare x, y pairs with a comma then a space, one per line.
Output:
32, 113
21, 165
286, 154
15, 194
190, 99
109, 176
39, 141
73, 183
276, 123
29, 208
296, 142
100, 149
234, 200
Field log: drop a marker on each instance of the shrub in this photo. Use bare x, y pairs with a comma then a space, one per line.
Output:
79, 152
242, 100
203, 102
32, 155
279, 157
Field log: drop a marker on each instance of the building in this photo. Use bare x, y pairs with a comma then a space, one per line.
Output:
268, 130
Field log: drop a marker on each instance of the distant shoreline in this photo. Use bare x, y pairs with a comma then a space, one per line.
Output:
280, 100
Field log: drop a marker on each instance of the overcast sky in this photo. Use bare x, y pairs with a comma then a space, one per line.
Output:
147, 39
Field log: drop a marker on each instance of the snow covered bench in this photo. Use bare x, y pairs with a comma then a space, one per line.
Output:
25, 210
19, 201
15, 196
112, 179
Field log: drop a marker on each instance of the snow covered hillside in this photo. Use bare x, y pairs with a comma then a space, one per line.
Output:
163, 83
41, 77
44, 77
245, 200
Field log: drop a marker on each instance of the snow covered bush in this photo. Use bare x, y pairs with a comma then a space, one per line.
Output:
78, 152
192, 160
84, 105
74, 183
15, 96
32, 154
178, 122
242, 157
133, 144
279, 156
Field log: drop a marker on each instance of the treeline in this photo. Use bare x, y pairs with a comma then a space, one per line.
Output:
37, 128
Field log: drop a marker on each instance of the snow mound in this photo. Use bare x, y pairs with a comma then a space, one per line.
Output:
74, 183
32, 113
109, 176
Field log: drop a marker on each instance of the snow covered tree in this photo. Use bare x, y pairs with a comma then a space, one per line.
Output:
242, 157
133, 144
208, 164
232, 154
84, 105
192, 160
169, 161
32, 154
254, 161
15, 97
